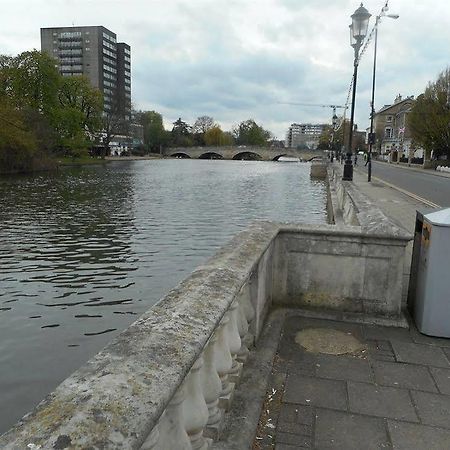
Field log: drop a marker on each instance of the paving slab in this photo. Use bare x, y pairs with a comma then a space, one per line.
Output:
346, 402
293, 439
296, 413
381, 356
380, 350
316, 392
442, 378
383, 346
294, 428
420, 338
343, 368
408, 376
296, 323
447, 352
426, 355
336, 430
302, 362
374, 332
411, 436
287, 447
433, 409
380, 401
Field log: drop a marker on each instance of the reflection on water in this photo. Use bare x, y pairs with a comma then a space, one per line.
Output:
85, 251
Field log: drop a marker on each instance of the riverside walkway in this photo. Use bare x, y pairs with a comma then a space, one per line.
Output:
340, 385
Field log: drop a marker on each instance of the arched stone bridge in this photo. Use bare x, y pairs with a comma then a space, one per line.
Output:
241, 153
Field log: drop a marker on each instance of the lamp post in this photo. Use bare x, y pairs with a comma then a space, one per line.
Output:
334, 121
372, 103
358, 32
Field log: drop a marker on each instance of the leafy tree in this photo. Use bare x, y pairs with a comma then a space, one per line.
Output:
338, 141
29, 84
249, 132
155, 135
44, 132
76, 93
200, 128
31, 80
215, 136
228, 138
429, 119
181, 134
326, 138
79, 114
61, 112
17, 144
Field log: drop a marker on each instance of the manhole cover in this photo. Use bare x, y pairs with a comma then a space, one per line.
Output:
329, 341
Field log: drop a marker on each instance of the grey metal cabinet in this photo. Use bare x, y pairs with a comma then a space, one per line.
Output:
432, 296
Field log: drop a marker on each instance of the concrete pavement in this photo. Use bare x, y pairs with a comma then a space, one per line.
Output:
390, 392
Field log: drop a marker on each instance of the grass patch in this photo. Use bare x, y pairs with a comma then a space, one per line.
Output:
70, 161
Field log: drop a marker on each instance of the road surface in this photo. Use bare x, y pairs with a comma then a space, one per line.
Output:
426, 185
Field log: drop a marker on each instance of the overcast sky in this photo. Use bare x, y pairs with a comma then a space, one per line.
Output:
237, 59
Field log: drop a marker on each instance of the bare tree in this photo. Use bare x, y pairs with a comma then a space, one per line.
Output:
114, 123
203, 124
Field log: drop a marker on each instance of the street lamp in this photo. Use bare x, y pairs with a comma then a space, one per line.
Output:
334, 122
358, 32
372, 103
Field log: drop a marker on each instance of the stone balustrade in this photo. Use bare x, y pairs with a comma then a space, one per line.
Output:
167, 382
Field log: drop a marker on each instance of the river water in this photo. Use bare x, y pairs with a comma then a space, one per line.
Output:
85, 251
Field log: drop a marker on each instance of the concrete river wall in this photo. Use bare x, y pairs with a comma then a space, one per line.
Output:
167, 381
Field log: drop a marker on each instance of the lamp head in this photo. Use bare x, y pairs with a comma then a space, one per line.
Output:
360, 23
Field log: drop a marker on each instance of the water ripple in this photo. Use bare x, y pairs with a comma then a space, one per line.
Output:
97, 246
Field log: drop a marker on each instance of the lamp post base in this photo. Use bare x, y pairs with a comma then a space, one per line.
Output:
348, 171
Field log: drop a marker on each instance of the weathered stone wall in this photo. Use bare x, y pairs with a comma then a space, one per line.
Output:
150, 373
343, 269
342, 204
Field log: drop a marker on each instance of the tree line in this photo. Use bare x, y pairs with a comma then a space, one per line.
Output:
205, 131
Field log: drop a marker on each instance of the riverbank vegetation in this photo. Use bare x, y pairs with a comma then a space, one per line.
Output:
43, 115
429, 118
204, 132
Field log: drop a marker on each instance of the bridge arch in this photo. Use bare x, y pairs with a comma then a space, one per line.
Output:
247, 156
279, 156
315, 157
210, 155
180, 155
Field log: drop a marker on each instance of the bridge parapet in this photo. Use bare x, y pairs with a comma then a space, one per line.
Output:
241, 152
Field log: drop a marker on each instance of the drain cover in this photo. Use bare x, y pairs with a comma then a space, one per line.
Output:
328, 341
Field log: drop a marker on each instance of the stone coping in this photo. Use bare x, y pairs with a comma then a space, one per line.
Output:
370, 218
117, 397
